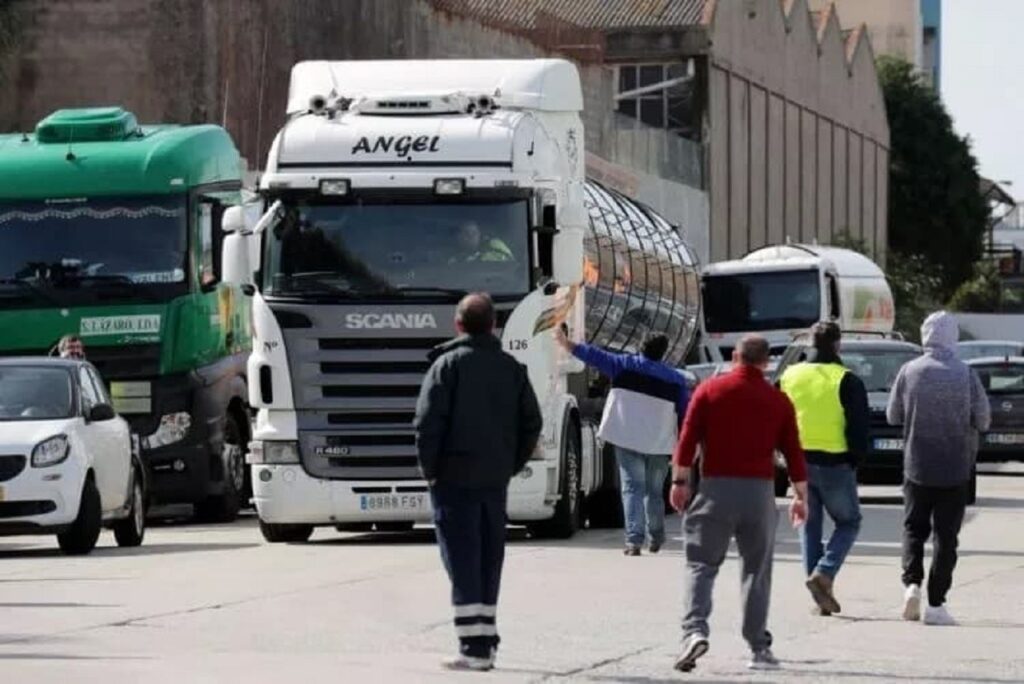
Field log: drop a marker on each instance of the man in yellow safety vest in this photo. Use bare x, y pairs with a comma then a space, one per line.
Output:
833, 418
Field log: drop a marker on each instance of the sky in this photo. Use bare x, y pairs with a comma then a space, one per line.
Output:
982, 63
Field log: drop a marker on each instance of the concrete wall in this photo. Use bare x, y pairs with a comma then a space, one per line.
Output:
895, 26
798, 137
228, 62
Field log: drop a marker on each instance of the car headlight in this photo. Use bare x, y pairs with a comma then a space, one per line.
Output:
50, 452
173, 428
273, 453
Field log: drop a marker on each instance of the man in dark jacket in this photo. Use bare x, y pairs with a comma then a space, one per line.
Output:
477, 422
832, 414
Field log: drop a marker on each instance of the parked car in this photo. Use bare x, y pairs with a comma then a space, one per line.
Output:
1003, 379
980, 349
67, 463
876, 361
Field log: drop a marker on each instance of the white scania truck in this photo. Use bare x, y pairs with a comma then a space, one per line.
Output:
393, 189
781, 290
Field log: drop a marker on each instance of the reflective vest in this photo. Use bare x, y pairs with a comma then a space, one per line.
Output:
814, 390
493, 250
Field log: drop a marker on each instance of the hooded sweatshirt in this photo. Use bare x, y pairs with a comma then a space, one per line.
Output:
941, 404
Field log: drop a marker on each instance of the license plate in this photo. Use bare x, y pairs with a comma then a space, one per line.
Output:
888, 445
392, 502
999, 438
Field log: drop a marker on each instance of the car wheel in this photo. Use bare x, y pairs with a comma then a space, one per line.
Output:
566, 520
284, 534
80, 538
224, 507
130, 530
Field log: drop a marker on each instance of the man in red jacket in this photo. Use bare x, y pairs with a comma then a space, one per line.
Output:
740, 420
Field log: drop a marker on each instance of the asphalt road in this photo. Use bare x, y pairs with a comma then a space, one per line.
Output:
215, 604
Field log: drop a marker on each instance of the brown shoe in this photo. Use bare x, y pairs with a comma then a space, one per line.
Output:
820, 587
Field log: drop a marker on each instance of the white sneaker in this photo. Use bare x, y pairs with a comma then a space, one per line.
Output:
939, 616
912, 603
464, 663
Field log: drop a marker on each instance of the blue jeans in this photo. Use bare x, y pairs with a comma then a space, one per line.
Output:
643, 499
831, 489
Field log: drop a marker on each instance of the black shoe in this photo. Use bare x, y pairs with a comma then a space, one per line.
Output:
694, 646
655, 547
631, 550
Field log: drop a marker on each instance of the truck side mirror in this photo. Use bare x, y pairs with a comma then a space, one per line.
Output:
233, 220
235, 266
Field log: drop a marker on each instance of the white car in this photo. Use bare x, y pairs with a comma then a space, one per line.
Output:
67, 465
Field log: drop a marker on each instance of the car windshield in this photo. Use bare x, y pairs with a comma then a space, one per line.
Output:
1002, 378
399, 250
34, 393
980, 351
877, 367
779, 300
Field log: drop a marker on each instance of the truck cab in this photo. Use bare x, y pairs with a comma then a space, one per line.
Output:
107, 232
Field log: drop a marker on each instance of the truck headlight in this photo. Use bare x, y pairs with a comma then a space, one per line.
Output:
50, 452
173, 428
273, 453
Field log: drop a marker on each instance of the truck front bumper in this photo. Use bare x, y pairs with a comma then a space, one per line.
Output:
285, 494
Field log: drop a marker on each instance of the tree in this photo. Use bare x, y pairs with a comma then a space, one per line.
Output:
936, 210
981, 294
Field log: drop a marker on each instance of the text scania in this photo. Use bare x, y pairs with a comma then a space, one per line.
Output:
400, 145
372, 321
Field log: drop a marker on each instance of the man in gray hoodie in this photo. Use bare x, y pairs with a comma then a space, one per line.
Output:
941, 404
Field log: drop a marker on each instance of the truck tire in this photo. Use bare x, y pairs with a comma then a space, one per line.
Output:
285, 534
130, 530
80, 538
781, 482
604, 507
224, 507
566, 520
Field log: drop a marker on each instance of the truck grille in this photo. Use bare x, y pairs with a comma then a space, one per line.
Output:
355, 391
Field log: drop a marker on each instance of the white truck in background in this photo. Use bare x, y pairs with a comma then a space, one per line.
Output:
394, 188
781, 290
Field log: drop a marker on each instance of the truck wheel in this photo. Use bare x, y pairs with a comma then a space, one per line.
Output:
604, 507
80, 538
130, 530
224, 507
566, 519
781, 482
972, 487
285, 534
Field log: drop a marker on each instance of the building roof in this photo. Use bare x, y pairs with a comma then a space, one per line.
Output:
592, 14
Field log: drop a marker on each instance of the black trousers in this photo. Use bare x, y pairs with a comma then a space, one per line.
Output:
927, 510
470, 525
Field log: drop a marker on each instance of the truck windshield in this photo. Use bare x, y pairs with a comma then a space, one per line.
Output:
34, 393
399, 250
61, 248
776, 300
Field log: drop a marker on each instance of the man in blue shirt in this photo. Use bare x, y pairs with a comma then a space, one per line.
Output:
641, 420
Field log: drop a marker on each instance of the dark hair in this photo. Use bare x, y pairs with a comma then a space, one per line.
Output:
654, 346
475, 314
753, 350
825, 336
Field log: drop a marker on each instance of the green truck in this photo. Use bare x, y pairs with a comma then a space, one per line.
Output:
111, 231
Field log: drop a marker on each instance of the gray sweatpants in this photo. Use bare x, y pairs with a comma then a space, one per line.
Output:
726, 507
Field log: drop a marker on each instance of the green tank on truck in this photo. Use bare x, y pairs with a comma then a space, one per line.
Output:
110, 231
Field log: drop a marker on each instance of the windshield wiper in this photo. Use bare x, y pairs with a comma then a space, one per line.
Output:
32, 287
416, 290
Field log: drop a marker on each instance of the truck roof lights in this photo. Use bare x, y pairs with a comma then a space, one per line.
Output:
334, 186
449, 186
